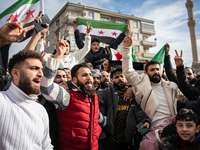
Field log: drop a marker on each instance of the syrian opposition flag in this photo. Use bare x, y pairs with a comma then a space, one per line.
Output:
118, 56
106, 32
160, 56
16, 13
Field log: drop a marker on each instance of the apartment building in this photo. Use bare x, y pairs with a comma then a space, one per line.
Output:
63, 23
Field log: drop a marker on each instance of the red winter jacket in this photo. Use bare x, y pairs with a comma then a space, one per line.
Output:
78, 123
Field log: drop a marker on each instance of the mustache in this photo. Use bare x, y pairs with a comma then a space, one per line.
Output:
105, 80
120, 82
156, 75
96, 82
88, 82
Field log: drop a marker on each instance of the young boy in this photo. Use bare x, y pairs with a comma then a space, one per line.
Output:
187, 129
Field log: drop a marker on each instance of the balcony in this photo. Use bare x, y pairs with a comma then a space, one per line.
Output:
69, 18
147, 28
148, 43
148, 31
147, 55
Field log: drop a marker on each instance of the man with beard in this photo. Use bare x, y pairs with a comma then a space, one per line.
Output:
77, 109
23, 121
105, 80
122, 116
96, 79
156, 97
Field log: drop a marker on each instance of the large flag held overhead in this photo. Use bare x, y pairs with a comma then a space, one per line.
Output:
16, 13
106, 32
160, 56
21, 10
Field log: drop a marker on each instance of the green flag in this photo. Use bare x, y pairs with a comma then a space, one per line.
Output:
160, 56
132, 56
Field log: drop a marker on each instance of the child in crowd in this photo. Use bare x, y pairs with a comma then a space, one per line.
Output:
188, 136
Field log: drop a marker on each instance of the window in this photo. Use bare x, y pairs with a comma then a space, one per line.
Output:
57, 23
136, 36
147, 25
52, 40
135, 24
145, 50
105, 19
90, 15
48, 44
137, 48
120, 21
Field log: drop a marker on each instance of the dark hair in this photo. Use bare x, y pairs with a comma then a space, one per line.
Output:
190, 68
169, 130
66, 69
152, 62
187, 115
60, 69
115, 70
69, 42
20, 57
95, 40
77, 67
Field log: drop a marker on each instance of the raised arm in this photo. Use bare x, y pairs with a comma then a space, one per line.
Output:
79, 42
171, 75
52, 91
119, 39
79, 55
131, 75
36, 36
14, 32
186, 88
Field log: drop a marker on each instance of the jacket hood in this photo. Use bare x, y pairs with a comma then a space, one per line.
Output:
170, 143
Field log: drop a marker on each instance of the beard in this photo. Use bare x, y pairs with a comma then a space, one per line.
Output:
89, 91
96, 87
105, 85
26, 86
155, 80
117, 86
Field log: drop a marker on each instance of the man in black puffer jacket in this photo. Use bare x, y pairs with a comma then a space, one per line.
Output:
191, 92
122, 116
97, 54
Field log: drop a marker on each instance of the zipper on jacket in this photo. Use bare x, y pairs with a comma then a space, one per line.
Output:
147, 99
173, 100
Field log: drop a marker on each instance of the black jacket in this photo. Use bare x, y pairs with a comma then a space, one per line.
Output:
99, 57
108, 99
175, 143
191, 92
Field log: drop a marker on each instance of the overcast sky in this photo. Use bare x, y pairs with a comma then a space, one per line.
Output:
170, 20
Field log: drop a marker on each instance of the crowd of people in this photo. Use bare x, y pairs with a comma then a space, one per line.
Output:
78, 101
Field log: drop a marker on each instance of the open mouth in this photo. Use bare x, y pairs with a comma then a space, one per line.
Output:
36, 81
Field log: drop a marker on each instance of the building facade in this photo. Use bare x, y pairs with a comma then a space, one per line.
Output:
63, 23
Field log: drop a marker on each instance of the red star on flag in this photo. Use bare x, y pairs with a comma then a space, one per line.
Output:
101, 32
114, 33
13, 18
118, 56
30, 13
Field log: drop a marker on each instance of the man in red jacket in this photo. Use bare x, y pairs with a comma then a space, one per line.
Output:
77, 109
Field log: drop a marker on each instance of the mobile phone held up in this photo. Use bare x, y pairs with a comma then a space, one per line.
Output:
142, 130
40, 26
